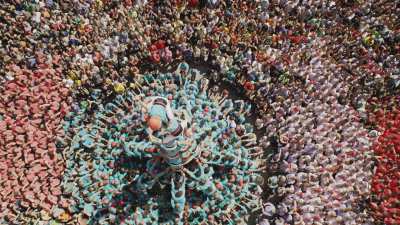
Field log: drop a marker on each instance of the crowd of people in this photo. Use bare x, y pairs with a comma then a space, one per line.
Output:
32, 110
201, 169
384, 116
324, 152
309, 66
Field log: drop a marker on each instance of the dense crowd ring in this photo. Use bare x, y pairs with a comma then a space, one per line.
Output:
316, 82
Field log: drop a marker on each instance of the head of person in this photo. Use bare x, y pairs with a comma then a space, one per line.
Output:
154, 123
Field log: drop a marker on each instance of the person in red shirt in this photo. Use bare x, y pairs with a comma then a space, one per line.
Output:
248, 85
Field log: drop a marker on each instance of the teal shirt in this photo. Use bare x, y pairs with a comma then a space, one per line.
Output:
158, 110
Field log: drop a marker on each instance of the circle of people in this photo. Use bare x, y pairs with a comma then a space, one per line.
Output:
323, 75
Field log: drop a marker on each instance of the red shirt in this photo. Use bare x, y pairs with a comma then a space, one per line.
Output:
249, 86
193, 3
